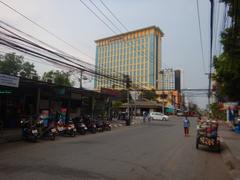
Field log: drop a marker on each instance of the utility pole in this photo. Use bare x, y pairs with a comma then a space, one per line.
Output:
81, 78
211, 41
128, 85
163, 95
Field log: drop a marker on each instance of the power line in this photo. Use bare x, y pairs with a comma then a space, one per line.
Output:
35, 53
201, 41
61, 52
44, 29
114, 15
105, 16
31, 52
216, 29
97, 16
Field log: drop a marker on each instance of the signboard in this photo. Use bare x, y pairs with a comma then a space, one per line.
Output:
230, 104
110, 92
10, 81
135, 95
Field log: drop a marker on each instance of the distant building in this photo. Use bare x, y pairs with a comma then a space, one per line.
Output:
178, 80
170, 79
136, 53
169, 92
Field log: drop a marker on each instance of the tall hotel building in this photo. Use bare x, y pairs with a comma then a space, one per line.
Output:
136, 53
170, 79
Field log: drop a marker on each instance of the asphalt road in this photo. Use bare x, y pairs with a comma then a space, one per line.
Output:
155, 150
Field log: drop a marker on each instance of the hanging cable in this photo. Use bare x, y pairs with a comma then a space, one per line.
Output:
200, 34
114, 15
97, 16
105, 16
44, 29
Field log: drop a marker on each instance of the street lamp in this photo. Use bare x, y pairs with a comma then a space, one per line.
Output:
163, 96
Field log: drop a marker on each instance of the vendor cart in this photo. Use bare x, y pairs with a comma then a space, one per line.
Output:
207, 135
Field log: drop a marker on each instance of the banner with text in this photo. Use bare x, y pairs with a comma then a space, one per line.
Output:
11, 81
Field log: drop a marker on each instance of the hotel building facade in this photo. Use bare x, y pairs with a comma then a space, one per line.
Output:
136, 53
170, 79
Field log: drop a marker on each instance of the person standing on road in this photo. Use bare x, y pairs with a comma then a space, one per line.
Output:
186, 125
144, 116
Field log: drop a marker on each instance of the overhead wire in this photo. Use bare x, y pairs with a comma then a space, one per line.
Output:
95, 14
62, 53
201, 39
44, 29
114, 15
4, 42
105, 15
216, 32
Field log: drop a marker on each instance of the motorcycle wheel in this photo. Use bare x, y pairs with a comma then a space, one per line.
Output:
73, 134
34, 139
52, 137
94, 130
82, 132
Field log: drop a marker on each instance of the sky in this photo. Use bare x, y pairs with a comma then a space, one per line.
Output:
73, 22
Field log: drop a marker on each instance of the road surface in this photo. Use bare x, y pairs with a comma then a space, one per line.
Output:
155, 150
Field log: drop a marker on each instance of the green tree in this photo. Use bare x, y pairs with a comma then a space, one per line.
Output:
227, 65
116, 105
11, 64
216, 112
27, 70
59, 77
150, 94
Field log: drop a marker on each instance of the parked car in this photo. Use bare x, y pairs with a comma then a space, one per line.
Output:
180, 113
157, 116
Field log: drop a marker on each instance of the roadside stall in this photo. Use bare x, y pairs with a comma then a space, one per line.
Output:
207, 134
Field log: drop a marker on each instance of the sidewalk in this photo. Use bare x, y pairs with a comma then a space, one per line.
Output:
10, 135
231, 150
119, 123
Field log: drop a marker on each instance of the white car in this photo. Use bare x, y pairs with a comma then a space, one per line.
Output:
157, 116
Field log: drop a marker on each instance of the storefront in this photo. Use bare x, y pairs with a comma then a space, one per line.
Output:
30, 97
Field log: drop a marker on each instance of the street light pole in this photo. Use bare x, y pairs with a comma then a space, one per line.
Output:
81, 78
128, 85
163, 96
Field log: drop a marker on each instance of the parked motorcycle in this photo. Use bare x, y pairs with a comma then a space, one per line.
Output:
66, 129
48, 132
29, 131
100, 125
80, 126
91, 126
107, 126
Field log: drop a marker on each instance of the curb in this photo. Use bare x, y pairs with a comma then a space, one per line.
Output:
122, 125
9, 140
231, 162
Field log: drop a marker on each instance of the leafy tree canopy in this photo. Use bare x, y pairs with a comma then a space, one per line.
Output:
150, 95
59, 77
13, 64
227, 65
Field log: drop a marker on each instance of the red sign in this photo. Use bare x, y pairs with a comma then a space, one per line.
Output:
110, 92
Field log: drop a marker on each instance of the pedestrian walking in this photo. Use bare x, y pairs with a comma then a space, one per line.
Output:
186, 125
144, 116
